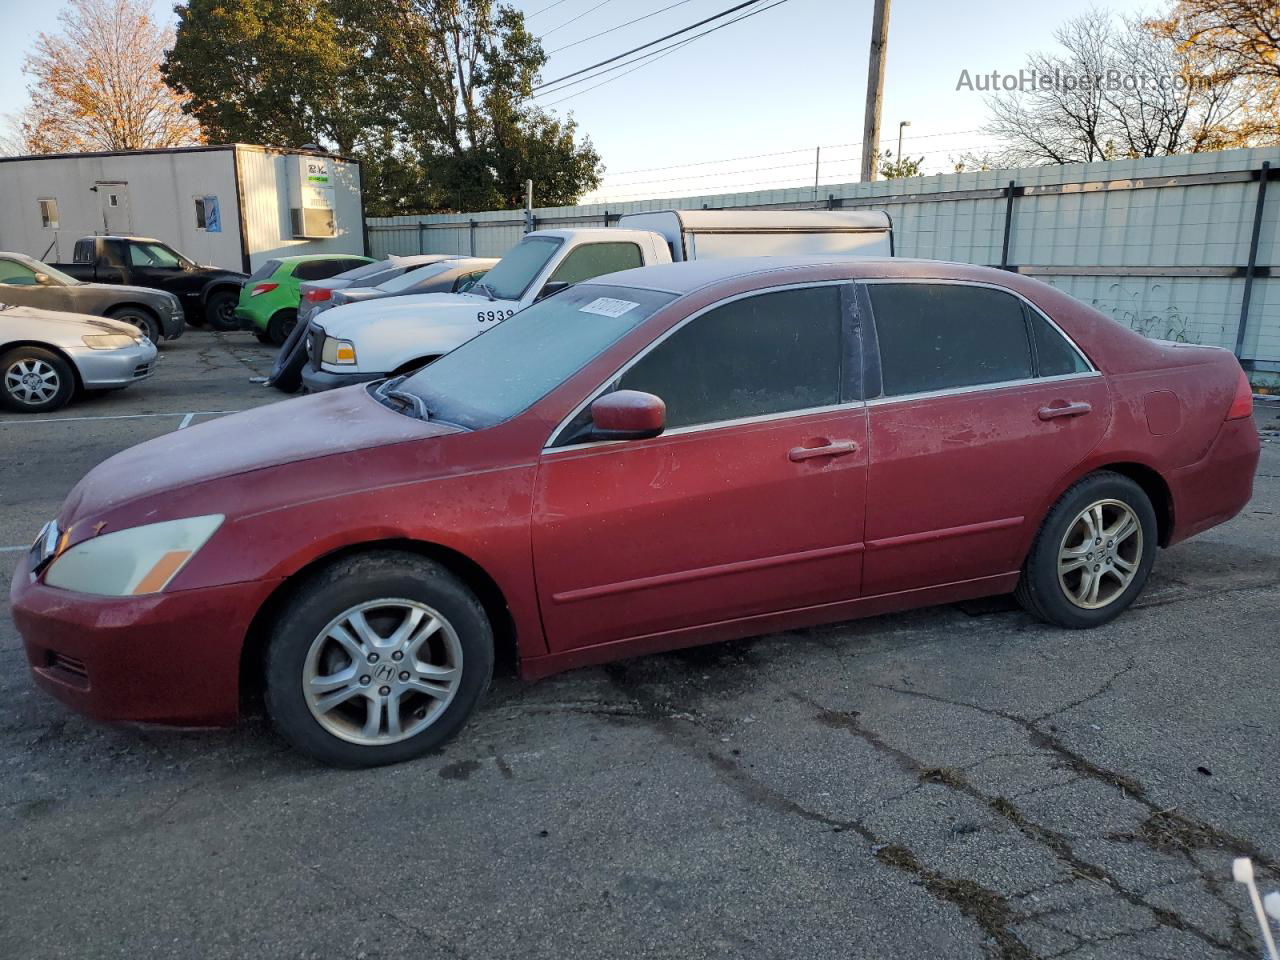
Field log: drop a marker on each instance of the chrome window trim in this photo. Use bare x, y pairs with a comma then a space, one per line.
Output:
549, 445
550, 448
993, 286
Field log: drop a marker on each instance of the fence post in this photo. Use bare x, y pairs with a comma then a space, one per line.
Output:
422, 229
1252, 267
473, 237
1008, 224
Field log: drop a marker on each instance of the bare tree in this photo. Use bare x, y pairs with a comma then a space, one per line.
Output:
1123, 87
96, 84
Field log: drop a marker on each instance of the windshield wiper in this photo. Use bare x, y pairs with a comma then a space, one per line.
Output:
415, 401
487, 291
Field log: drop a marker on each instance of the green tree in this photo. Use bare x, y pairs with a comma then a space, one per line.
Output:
433, 96
891, 169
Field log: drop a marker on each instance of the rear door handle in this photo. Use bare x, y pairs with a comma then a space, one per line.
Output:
1077, 409
836, 448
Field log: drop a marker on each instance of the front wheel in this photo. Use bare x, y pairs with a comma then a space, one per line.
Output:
1092, 555
35, 380
142, 319
377, 659
220, 310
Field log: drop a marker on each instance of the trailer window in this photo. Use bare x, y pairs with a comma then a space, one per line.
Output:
200, 222
48, 213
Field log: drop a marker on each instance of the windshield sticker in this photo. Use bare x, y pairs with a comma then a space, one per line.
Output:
608, 307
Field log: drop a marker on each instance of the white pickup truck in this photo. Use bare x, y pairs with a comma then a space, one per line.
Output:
359, 342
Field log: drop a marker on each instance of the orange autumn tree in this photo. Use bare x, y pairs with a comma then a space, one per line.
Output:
96, 84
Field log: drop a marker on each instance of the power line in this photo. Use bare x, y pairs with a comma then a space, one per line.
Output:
547, 33
530, 16
645, 46
680, 3
664, 51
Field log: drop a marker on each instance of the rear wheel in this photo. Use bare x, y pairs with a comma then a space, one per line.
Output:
280, 326
220, 310
1093, 554
144, 320
35, 380
379, 658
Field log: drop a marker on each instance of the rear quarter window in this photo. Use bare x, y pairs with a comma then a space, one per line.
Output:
264, 271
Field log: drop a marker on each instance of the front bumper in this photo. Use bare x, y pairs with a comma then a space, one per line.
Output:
318, 381
111, 369
166, 658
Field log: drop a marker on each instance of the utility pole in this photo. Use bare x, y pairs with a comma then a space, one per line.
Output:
528, 206
875, 89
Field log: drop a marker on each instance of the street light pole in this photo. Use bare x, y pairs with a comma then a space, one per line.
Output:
904, 123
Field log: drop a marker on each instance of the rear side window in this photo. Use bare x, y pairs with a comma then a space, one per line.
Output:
595, 260
320, 269
1055, 357
264, 271
937, 336
765, 354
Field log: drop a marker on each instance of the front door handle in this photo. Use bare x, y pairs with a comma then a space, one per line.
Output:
835, 448
1077, 409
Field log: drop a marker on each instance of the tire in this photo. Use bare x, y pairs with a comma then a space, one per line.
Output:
263, 336
1070, 538
220, 311
281, 325
307, 645
144, 320
35, 380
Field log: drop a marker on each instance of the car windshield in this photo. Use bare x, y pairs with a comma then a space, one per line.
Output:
511, 276
57, 275
411, 277
496, 375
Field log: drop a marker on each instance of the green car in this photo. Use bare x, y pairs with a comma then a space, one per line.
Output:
269, 298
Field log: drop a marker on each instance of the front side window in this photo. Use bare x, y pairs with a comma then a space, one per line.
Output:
595, 260
938, 336
17, 274
764, 354
152, 255
511, 276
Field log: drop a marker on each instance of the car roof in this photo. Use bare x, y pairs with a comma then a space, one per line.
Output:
304, 257
691, 275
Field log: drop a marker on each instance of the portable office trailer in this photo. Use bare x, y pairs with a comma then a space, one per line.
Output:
711, 234
233, 206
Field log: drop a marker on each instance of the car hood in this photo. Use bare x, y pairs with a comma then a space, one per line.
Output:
415, 312
318, 425
57, 321
144, 293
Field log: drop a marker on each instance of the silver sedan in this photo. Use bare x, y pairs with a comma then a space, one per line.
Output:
47, 356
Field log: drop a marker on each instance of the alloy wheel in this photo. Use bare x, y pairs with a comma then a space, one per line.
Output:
382, 671
1100, 554
32, 381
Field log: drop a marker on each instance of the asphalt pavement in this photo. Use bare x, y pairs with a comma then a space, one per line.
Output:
958, 781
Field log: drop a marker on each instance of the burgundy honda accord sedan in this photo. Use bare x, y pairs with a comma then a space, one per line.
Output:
658, 458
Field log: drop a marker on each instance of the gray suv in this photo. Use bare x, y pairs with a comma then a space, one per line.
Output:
27, 282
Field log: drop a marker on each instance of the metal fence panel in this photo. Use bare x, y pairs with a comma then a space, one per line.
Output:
1160, 244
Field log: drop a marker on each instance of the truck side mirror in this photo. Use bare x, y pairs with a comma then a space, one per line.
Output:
627, 415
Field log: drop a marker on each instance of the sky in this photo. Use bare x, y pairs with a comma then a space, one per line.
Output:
744, 107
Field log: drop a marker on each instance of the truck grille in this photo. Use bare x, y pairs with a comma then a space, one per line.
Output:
315, 346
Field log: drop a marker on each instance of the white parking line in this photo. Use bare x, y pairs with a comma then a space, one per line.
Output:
186, 421
13, 549
123, 416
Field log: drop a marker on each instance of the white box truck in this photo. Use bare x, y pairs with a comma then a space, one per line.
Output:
360, 342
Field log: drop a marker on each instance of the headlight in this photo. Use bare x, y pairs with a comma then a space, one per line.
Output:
338, 351
109, 341
134, 561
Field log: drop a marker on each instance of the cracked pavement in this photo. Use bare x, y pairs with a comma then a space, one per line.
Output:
957, 781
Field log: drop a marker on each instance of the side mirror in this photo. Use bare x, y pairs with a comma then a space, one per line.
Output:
627, 415
550, 287
43, 279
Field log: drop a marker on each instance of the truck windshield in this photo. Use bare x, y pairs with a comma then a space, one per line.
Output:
511, 276
496, 375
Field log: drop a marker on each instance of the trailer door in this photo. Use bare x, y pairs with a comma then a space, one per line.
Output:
113, 205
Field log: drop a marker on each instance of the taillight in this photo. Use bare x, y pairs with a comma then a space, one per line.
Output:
1242, 403
263, 288
317, 296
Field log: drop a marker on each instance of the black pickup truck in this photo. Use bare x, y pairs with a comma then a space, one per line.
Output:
207, 294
